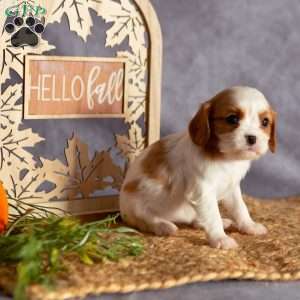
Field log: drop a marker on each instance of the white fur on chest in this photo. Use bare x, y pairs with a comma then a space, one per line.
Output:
222, 177
203, 175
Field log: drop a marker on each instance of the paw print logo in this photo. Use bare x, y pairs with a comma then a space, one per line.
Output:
25, 32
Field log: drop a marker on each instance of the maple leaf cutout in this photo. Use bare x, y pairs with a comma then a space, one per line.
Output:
136, 109
137, 64
136, 102
25, 191
78, 14
137, 67
10, 111
13, 57
13, 143
82, 176
127, 23
132, 145
23, 188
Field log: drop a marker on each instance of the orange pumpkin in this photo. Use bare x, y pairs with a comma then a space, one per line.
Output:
3, 209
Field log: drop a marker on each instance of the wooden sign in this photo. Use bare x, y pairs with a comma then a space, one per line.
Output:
74, 87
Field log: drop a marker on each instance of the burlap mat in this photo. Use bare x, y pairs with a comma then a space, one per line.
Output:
186, 258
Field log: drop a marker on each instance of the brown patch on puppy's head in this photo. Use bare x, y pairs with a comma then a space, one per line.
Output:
199, 127
211, 121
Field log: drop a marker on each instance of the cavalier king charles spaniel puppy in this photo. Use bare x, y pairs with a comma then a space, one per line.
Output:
183, 177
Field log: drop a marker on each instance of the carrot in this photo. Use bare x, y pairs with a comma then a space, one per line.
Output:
3, 209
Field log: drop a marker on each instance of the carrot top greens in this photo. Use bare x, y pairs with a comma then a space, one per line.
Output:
38, 246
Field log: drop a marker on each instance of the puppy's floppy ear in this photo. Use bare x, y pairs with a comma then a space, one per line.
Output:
273, 139
199, 127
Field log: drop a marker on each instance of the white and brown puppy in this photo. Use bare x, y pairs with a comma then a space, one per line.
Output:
183, 177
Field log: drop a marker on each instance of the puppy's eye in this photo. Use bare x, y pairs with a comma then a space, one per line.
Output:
265, 122
232, 119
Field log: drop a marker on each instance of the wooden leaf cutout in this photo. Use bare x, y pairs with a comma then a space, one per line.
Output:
78, 14
13, 144
58, 174
132, 145
13, 57
136, 108
137, 64
137, 87
24, 189
81, 177
77, 156
25, 192
11, 112
127, 22
100, 167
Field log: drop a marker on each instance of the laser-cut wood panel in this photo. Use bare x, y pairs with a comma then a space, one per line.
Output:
75, 180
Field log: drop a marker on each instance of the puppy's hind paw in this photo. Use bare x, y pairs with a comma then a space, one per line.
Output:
224, 242
253, 229
165, 228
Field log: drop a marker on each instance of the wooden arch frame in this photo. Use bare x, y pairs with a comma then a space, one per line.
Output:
154, 90
11, 166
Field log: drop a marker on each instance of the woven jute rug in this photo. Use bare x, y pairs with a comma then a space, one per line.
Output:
186, 257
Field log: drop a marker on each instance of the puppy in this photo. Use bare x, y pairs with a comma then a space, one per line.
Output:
183, 177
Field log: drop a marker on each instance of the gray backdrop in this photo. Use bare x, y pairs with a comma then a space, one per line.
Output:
213, 44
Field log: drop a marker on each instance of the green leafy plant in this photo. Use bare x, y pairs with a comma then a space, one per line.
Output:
38, 247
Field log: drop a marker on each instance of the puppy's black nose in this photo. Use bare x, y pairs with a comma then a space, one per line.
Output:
251, 139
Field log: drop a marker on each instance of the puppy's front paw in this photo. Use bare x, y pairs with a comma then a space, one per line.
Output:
253, 228
224, 242
226, 224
